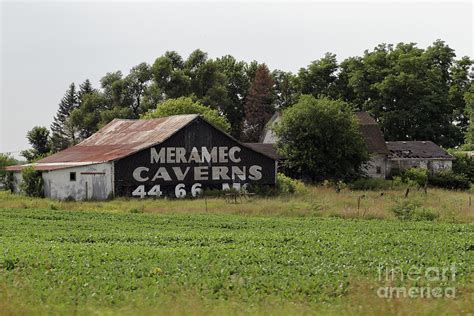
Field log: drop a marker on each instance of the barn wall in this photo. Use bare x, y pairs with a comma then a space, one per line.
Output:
197, 134
376, 167
439, 165
396, 166
92, 182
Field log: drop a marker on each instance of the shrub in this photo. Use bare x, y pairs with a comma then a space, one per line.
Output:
5, 176
284, 185
449, 180
186, 105
464, 164
415, 176
412, 210
32, 184
136, 210
366, 184
321, 139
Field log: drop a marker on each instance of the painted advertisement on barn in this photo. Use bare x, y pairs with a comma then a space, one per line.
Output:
198, 157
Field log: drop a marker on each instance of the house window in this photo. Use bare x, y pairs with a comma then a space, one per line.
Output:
379, 170
72, 176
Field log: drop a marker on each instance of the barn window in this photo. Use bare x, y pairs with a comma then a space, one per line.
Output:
72, 176
379, 170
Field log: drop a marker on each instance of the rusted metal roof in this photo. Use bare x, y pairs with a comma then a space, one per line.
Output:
416, 150
121, 138
115, 140
46, 166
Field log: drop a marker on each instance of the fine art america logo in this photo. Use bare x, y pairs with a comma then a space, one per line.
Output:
426, 282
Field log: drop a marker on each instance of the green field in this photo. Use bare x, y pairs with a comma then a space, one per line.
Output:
63, 261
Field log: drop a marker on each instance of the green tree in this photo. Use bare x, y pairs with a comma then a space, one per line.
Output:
168, 73
237, 86
259, 104
5, 161
152, 95
186, 105
286, 89
64, 133
415, 93
85, 88
319, 78
320, 139
88, 118
460, 82
32, 184
136, 84
38, 137
469, 99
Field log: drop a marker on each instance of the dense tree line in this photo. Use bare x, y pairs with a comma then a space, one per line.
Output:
414, 93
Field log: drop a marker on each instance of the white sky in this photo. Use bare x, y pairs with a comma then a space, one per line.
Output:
47, 45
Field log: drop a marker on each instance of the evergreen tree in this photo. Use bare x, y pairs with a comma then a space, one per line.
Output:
63, 132
259, 104
84, 88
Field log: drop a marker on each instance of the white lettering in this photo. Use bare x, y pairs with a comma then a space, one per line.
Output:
232, 152
238, 173
162, 173
157, 157
220, 173
137, 174
170, 152
223, 154
201, 173
255, 172
180, 154
194, 156
180, 175
209, 156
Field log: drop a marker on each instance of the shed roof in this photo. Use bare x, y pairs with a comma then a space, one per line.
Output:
267, 149
416, 150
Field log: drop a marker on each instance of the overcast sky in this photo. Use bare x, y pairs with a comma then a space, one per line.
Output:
47, 45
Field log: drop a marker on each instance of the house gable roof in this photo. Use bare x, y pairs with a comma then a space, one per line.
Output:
371, 133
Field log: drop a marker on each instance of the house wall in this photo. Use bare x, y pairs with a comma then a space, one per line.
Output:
376, 167
432, 165
92, 182
17, 179
269, 136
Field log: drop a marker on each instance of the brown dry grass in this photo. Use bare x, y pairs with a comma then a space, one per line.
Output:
451, 206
